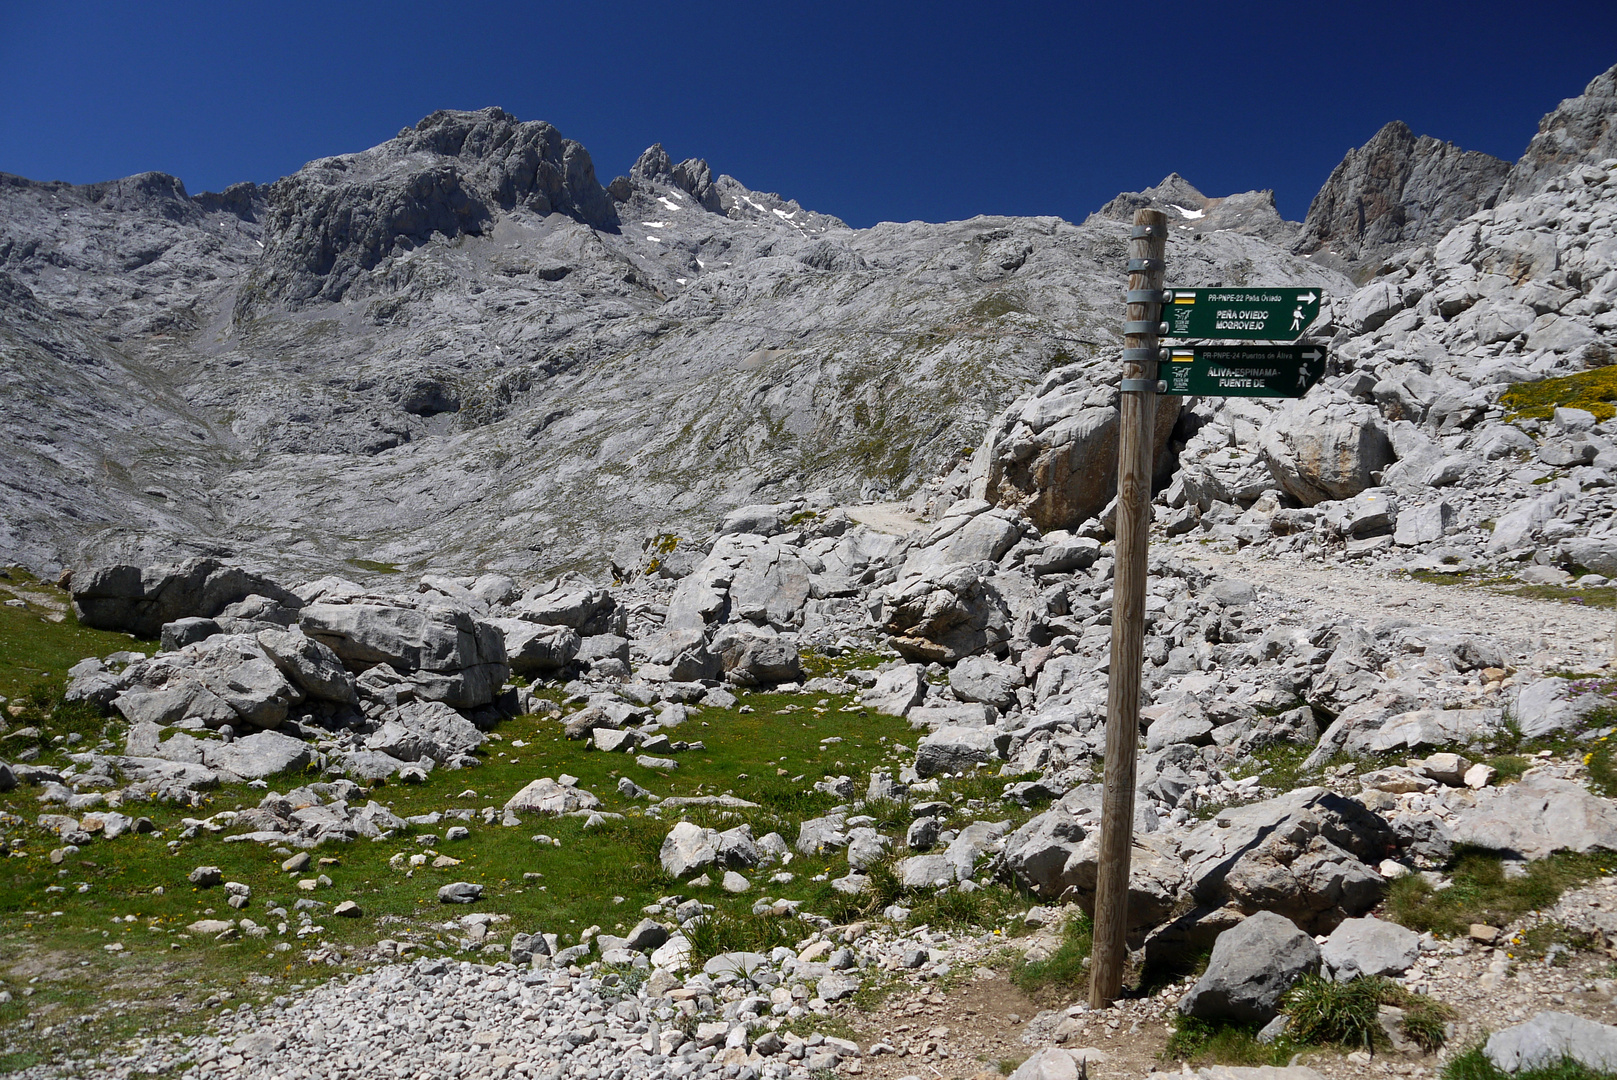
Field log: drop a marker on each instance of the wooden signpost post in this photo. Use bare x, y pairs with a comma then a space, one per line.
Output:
1277, 314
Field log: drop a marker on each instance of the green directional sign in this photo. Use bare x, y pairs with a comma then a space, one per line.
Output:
1240, 314
1244, 370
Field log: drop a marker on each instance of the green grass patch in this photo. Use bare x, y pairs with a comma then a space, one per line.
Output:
1603, 597
36, 647
375, 567
1206, 1042
1602, 770
1509, 766
994, 305
1474, 1065
1067, 968
1482, 892
1593, 391
817, 664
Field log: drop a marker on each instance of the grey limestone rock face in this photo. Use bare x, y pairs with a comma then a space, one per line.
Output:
537, 648
262, 754
1580, 129
945, 618
435, 343
451, 656
337, 219
978, 678
1252, 965
896, 691
1396, 191
688, 848
1555, 705
1054, 456
548, 796
954, 749
750, 659
313, 667
1056, 857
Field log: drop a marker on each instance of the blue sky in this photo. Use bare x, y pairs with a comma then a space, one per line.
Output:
871, 111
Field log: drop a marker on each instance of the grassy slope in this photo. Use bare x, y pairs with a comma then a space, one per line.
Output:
56, 918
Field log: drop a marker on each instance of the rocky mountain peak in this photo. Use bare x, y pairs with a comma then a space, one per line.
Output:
337, 219
692, 176
1580, 129
1252, 213
1396, 191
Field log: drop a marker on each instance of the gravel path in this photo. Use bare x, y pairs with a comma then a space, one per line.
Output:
1549, 633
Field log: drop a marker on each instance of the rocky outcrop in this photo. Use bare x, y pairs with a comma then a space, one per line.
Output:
333, 222
1309, 855
1580, 129
451, 657
139, 600
1397, 191
1053, 456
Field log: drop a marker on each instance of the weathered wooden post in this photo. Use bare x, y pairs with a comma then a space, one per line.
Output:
1135, 444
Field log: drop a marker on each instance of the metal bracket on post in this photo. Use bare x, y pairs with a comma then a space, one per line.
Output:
1153, 232
1147, 266
1146, 326
1143, 386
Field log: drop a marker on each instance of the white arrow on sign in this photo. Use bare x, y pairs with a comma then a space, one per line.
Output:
1308, 298
1312, 354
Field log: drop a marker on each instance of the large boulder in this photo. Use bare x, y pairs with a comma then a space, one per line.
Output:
1056, 858
139, 600
1537, 817
573, 602
1369, 947
449, 656
1252, 966
227, 679
946, 618
687, 848
260, 755
751, 659
897, 690
534, 648
1054, 456
968, 534
770, 588
1318, 449
1309, 855
979, 678
313, 667
442, 733
548, 796
958, 749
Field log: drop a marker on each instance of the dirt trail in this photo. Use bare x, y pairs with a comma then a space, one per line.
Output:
892, 518
1550, 633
